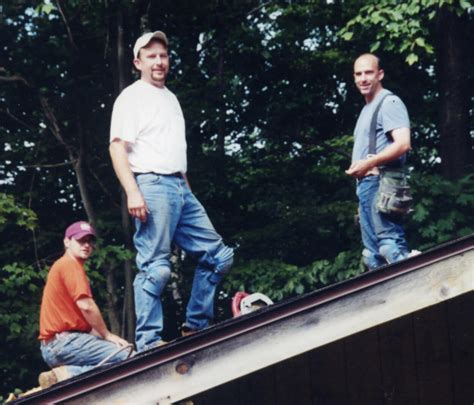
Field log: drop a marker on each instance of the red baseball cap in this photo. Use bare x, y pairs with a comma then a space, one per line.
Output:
78, 230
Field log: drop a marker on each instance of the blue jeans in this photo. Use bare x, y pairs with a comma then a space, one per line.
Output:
175, 215
383, 236
79, 352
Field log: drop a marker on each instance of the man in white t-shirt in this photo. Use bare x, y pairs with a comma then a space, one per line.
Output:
148, 150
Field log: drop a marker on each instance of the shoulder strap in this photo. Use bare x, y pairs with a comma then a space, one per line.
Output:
373, 125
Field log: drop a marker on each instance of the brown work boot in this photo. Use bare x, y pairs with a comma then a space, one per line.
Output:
187, 331
47, 378
51, 377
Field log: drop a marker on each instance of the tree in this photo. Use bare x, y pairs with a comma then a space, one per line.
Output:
407, 28
266, 90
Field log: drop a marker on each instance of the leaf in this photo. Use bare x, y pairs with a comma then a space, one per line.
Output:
347, 36
420, 42
47, 8
375, 46
411, 59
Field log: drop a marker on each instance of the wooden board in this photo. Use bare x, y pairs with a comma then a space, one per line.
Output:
435, 385
397, 361
287, 338
461, 337
328, 372
364, 380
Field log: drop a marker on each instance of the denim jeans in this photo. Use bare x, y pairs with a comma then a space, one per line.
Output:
175, 216
79, 352
383, 236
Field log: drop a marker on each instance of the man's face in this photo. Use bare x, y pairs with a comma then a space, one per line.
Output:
80, 249
367, 76
153, 63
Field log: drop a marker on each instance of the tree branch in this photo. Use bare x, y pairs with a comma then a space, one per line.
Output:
14, 78
68, 28
259, 7
8, 113
68, 163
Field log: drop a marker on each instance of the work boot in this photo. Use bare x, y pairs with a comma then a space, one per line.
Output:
48, 378
187, 331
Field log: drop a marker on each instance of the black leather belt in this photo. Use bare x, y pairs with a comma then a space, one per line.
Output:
175, 174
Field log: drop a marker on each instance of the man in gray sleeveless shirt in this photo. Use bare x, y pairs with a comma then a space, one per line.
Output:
383, 236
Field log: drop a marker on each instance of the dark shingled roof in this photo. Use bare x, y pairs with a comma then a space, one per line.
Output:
96, 379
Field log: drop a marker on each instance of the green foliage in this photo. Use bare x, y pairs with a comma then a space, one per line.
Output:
20, 289
400, 27
106, 256
444, 210
11, 212
281, 280
266, 92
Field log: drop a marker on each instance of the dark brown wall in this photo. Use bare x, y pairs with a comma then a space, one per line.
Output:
425, 358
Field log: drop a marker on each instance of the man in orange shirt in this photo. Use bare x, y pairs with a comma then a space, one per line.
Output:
73, 334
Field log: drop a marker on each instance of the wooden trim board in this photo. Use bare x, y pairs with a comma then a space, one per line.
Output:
276, 342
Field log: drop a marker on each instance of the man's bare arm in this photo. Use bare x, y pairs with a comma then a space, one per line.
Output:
92, 314
135, 201
401, 144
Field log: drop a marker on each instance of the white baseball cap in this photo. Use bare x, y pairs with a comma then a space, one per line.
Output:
146, 38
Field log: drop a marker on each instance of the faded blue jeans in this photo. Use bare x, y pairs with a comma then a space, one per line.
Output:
175, 216
79, 352
383, 236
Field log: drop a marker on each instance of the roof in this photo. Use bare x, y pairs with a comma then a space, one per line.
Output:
248, 343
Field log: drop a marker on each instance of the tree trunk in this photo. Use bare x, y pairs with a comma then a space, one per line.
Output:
122, 66
111, 297
452, 51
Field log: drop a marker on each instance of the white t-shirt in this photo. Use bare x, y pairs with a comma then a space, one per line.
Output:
151, 121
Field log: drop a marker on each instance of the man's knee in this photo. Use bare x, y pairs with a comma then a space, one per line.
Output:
223, 260
155, 279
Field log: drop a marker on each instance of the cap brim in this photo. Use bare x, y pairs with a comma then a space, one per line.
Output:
80, 235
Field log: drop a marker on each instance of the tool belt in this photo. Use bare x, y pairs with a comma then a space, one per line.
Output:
394, 195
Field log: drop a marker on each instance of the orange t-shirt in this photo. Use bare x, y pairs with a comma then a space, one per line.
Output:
67, 282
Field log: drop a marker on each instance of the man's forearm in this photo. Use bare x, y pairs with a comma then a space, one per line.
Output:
92, 314
121, 166
389, 154
401, 144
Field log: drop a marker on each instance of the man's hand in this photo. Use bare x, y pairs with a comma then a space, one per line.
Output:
360, 168
137, 206
135, 202
92, 314
116, 339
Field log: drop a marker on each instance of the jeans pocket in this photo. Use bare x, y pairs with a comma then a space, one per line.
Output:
148, 179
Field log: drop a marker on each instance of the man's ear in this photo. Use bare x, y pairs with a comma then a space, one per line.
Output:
137, 63
67, 242
381, 74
